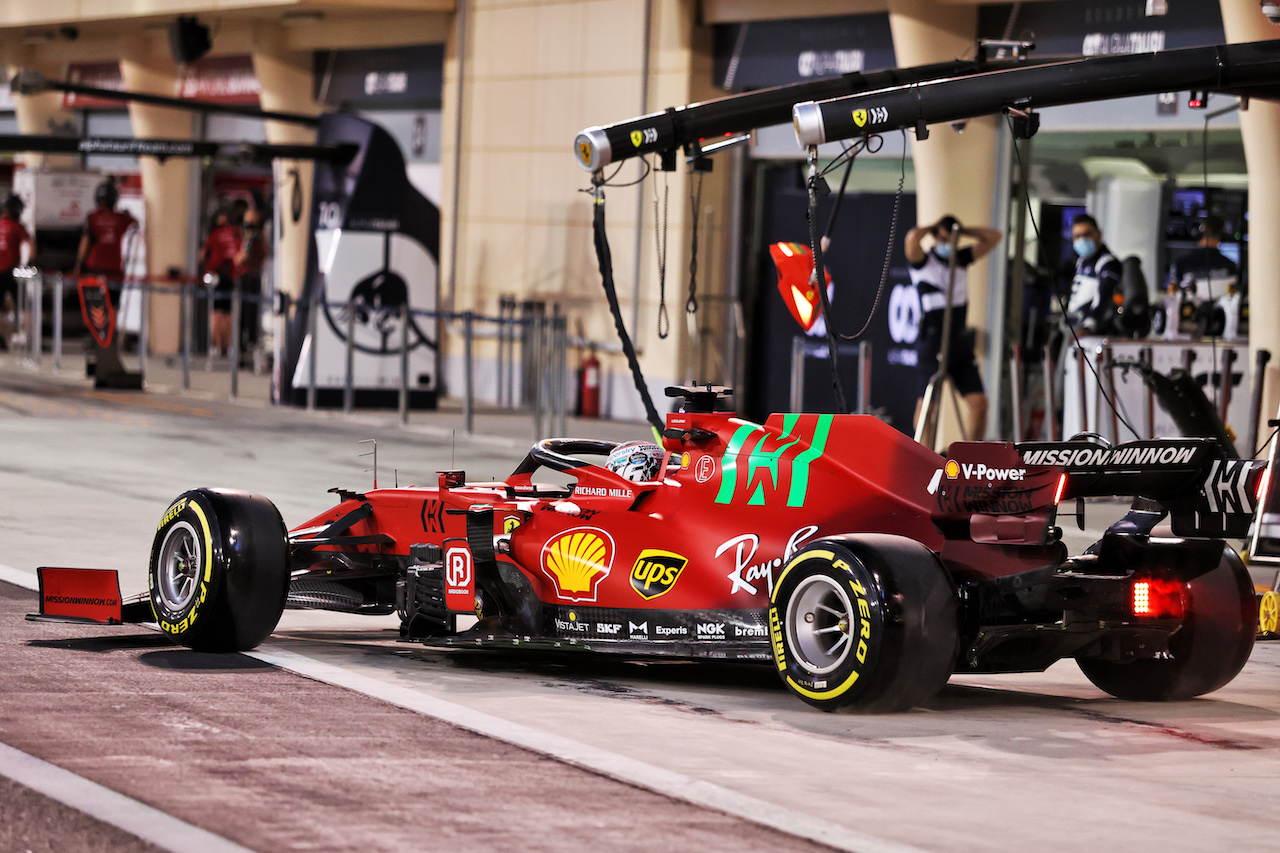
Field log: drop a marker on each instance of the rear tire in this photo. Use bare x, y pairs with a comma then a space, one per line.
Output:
864, 623
219, 571
1208, 651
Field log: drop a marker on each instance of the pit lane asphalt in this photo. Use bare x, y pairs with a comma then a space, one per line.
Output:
274, 761
994, 763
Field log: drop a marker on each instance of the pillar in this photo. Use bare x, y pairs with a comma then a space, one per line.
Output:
1260, 127
145, 66
285, 78
38, 114
955, 172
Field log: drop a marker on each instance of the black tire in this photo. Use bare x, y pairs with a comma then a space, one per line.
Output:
1208, 651
896, 644
219, 570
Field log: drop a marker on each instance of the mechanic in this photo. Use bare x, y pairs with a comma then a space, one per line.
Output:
248, 269
218, 260
930, 272
102, 243
1205, 268
1092, 308
12, 236
637, 461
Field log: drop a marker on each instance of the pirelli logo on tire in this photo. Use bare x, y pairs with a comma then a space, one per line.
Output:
656, 572
172, 512
775, 640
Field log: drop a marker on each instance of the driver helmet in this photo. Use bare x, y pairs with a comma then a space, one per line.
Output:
13, 206
637, 461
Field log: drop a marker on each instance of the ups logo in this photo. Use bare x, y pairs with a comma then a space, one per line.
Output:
656, 572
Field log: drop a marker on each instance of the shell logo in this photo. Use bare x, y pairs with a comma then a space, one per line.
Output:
577, 560
952, 469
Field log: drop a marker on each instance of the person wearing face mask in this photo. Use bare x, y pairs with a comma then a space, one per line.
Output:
1092, 307
930, 272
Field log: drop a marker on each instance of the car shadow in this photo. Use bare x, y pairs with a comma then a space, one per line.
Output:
188, 660
104, 644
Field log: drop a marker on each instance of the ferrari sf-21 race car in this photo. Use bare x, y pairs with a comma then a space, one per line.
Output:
861, 565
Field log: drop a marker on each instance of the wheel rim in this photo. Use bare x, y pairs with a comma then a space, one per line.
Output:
1269, 613
820, 621
179, 566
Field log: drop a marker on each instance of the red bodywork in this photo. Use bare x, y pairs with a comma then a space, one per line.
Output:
739, 498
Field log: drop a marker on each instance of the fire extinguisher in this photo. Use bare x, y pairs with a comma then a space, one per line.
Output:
589, 386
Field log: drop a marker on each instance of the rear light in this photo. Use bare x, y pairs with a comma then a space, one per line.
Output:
1262, 484
1157, 598
1062, 485
1142, 598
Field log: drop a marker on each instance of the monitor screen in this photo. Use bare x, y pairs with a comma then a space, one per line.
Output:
1188, 202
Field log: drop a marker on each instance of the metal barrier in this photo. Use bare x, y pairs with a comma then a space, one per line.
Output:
542, 339
803, 348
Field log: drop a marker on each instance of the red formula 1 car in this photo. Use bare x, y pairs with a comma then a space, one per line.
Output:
864, 566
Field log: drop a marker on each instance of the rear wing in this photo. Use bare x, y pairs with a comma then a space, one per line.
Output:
1205, 493
1005, 493
1264, 544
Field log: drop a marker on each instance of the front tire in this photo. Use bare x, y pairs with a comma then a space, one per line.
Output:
219, 570
1208, 651
864, 623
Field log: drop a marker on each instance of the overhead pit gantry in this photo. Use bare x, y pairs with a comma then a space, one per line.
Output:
911, 99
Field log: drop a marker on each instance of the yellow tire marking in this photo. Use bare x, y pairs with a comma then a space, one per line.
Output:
797, 560
830, 557
208, 541
826, 694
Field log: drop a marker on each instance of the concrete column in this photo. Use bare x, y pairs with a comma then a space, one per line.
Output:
286, 80
1260, 127
38, 114
955, 172
145, 66
454, 160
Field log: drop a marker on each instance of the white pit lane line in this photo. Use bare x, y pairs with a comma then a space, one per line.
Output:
98, 801
17, 577
138, 819
592, 758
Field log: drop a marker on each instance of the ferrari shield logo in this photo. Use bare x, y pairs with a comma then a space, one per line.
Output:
636, 138
860, 118
95, 305
584, 151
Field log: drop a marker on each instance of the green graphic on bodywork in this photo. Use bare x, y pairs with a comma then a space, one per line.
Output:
769, 460
800, 468
729, 465
761, 458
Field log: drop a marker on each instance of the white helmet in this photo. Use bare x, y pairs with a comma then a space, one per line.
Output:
638, 461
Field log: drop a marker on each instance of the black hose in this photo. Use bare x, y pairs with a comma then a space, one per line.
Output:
605, 257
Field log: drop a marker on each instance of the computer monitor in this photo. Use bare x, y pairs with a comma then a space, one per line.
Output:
1188, 203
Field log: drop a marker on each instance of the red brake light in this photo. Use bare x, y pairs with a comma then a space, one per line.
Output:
1157, 598
1062, 485
1142, 598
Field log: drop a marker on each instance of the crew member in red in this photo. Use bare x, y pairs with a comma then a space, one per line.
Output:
218, 259
12, 236
249, 260
104, 231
